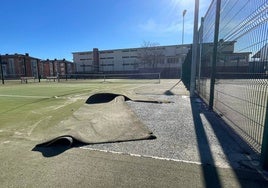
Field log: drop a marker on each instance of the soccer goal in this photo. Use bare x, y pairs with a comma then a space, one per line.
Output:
114, 78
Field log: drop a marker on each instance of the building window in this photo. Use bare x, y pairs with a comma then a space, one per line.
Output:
4, 70
85, 59
172, 60
11, 66
107, 52
107, 58
85, 53
107, 65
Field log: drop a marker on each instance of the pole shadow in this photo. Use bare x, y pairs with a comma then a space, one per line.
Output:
169, 92
228, 140
210, 173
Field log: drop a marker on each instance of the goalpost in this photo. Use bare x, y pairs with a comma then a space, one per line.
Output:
115, 78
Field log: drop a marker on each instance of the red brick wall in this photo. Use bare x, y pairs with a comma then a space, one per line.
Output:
45, 66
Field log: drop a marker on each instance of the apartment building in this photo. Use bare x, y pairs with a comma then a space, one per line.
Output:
56, 67
17, 65
166, 60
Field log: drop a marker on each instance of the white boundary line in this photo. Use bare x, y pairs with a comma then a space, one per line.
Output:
25, 96
138, 155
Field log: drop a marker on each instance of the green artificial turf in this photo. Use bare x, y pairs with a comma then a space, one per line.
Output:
28, 109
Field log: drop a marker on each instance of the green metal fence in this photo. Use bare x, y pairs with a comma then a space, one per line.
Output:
237, 86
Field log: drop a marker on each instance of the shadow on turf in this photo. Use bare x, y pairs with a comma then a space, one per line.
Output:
57, 147
108, 97
51, 151
103, 98
169, 92
62, 144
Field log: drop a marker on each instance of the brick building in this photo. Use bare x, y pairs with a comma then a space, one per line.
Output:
16, 65
56, 67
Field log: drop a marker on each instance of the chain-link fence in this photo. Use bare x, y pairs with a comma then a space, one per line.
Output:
232, 72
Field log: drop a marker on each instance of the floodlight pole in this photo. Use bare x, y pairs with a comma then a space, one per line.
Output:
2, 72
182, 37
194, 49
183, 14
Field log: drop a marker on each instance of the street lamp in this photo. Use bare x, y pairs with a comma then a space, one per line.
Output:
183, 14
194, 49
182, 40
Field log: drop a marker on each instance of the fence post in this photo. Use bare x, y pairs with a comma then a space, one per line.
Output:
214, 58
264, 146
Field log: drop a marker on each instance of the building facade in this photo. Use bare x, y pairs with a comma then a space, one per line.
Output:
56, 67
228, 61
259, 62
16, 65
166, 60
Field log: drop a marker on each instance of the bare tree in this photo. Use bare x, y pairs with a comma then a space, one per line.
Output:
150, 54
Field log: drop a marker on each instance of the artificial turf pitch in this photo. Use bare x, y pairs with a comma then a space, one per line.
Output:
26, 110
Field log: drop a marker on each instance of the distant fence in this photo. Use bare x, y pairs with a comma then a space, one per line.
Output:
232, 69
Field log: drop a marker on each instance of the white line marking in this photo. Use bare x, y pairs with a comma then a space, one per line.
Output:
146, 156
24, 96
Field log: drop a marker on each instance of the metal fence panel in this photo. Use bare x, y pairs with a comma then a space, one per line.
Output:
241, 87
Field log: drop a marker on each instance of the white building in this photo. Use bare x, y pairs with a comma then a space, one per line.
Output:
161, 59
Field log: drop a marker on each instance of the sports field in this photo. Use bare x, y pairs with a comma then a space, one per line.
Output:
29, 108
27, 111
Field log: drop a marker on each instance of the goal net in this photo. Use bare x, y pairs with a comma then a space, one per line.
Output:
114, 78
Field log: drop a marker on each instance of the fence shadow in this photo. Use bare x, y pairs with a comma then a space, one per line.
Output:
210, 173
230, 147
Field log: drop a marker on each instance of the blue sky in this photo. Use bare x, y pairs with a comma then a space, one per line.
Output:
49, 29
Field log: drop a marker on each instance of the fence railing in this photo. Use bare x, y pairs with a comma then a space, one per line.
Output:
237, 86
